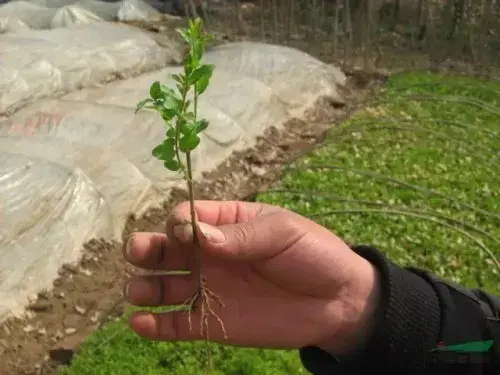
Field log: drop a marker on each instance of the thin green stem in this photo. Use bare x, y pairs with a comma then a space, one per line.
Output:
196, 240
191, 200
188, 174
195, 103
178, 130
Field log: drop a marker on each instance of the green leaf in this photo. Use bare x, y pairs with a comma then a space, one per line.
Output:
180, 88
188, 64
143, 103
202, 71
197, 51
166, 150
156, 91
187, 127
172, 165
184, 34
202, 83
168, 92
207, 38
170, 108
168, 114
201, 125
195, 27
178, 78
189, 142
174, 106
171, 133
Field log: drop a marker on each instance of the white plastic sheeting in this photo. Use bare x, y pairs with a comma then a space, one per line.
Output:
72, 168
73, 15
47, 14
38, 64
8, 24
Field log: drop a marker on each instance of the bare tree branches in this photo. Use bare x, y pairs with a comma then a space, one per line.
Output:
429, 33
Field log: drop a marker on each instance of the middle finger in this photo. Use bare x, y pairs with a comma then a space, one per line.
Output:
154, 251
159, 290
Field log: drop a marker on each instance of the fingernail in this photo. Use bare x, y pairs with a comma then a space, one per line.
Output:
212, 234
128, 246
184, 232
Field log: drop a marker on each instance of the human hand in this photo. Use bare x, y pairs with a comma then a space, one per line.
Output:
286, 281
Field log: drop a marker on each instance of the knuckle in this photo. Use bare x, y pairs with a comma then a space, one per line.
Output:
182, 209
243, 234
288, 228
182, 212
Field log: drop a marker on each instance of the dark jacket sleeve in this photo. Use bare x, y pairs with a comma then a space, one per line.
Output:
419, 313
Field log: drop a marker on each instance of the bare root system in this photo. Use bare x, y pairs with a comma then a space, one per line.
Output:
205, 300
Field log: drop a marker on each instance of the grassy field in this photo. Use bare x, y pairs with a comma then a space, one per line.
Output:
414, 174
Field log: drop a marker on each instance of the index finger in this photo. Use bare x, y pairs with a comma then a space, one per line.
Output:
218, 212
215, 213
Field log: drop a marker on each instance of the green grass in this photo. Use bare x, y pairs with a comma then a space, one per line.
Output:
115, 350
413, 174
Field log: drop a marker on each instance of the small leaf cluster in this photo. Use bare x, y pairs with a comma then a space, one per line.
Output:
182, 127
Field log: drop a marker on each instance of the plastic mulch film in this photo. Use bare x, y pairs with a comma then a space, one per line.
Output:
36, 64
49, 14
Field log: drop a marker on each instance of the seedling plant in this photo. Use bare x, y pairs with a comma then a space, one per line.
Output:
179, 111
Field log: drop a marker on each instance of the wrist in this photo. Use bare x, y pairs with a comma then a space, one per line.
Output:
360, 313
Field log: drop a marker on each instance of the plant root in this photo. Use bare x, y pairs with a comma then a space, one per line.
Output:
205, 299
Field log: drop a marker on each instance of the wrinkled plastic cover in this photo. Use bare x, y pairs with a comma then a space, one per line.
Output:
73, 15
46, 14
36, 64
73, 168
11, 24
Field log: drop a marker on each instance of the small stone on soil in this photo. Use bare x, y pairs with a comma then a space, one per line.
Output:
71, 268
69, 331
42, 331
80, 310
28, 328
258, 171
87, 272
95, 317
41, 306
44, 294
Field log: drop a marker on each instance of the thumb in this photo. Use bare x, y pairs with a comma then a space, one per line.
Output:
255, 240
